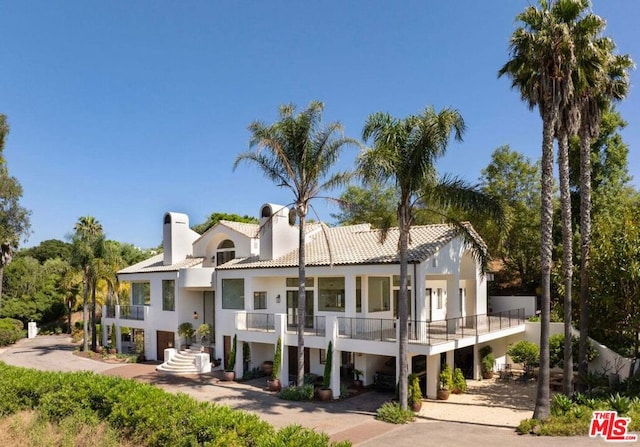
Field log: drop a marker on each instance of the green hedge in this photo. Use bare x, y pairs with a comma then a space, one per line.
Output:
11, 330
143, 414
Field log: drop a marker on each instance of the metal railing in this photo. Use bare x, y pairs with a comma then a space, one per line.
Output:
132, 312
110, 311
430, 332
313, 325
376, 329
260, 322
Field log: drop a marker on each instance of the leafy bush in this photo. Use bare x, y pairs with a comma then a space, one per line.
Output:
486, 359
11, 330
415, 394
556, 351
297, 393
446, 378
621, 404
143, 414
459, 382
394, 414
525, 352
560, 404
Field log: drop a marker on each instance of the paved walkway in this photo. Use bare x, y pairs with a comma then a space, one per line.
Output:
485, 415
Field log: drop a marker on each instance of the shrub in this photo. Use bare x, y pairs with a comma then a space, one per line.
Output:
277, 360
525, 352
560, 405
620, 403
326, 382
446, 378
556, 351
11, 331
394, 414
297, 393
486, 359
186, 330
459, 382
143, 414
415, 394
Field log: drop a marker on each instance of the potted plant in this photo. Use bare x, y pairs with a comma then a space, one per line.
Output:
274, 383
203, 331
459, 382
486, 361
415, 394
229, 373
324, 393
186, 330
357, 382
445, 382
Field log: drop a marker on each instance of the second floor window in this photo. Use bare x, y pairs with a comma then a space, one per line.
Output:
226, 252
259, 300
168, 294
331, 294
233, 293
140, 294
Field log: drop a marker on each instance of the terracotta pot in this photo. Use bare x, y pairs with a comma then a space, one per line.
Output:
443, 394
229, 376
325, 394
357, 384
274, 385
416, 406
487, 375
98, 349
113, 351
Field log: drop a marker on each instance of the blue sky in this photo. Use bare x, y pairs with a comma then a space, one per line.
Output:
124, 110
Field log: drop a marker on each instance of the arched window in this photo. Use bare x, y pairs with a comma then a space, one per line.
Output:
226, 252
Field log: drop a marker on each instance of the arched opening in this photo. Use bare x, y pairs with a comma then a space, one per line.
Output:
226, 252
266, 211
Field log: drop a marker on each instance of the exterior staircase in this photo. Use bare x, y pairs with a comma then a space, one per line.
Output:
188, 361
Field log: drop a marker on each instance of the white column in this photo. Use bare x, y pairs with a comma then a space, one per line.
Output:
433, 372
350, 295
332, 335
419, 286
118, 339
105, 334
450, 359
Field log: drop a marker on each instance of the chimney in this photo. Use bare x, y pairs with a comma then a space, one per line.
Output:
177, 238
277, 236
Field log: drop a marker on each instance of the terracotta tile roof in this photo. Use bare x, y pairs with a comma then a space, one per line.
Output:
358, 244
248, 229
155, 264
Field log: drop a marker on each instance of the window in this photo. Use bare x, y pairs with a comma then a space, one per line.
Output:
358, 293
226, 252
323, 356
396, 280
331, 294
440, 297
233, 293
379, 293
168, 294
259, 300
293, 282
140, 294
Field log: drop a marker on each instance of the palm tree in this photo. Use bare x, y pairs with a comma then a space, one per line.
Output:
404, 153
541, 68
607, 81
86, 246
297, 153
70, 282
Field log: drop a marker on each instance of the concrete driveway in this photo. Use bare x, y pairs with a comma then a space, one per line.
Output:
351, 419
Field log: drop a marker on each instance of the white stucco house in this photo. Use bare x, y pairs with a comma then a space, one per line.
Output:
242, 279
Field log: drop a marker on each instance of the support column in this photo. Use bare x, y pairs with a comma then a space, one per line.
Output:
332, 336
433, 373
105, 334
450, 359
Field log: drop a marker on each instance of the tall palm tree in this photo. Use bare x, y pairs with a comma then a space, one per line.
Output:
541, 68
298, 153
70, 283
607, 81
86, 246
404, 153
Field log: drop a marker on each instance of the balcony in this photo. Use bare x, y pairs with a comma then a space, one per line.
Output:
316, 326
132, 312
430, 332
260, 322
